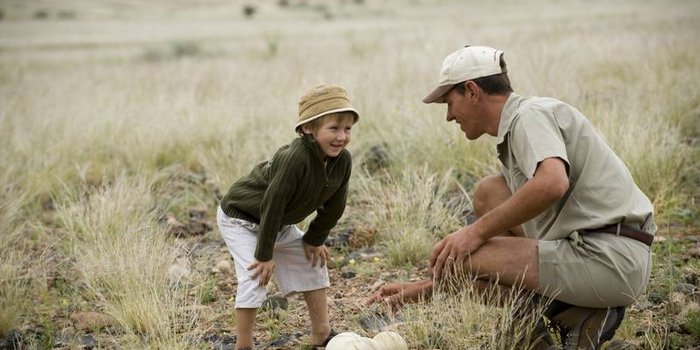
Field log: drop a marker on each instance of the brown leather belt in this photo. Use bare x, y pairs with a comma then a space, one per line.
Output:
625, 231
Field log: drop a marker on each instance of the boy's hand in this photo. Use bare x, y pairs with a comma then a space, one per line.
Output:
316, 254
262, 269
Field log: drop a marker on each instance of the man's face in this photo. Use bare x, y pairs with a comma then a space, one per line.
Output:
463, 110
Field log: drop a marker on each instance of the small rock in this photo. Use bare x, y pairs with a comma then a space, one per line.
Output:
88, 342
370, 255
197, 227
694, 252
283, 339
224, 342
685, 288
375, 287
173, 227
642, 305
275, 302
348, 274
363, 236
340, 240
11, 341
617, 344
331, 264
90, 320
225, 267
695, 239
179, 270
656, 298
376, 322
659, 239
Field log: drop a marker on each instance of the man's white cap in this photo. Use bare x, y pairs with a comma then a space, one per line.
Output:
467, 63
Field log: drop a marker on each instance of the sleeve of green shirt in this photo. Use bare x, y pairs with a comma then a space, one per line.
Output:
328, 214
284, 175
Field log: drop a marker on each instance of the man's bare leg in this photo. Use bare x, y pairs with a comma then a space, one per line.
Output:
490, 192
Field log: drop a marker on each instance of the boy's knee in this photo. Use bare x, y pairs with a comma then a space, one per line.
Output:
489, 192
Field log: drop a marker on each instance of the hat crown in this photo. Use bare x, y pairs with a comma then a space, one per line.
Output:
467, 63
322, 100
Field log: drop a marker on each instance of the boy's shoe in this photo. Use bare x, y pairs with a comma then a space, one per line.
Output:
325, 342
587, 328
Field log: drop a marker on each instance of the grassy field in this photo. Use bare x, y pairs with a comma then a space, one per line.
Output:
119, 120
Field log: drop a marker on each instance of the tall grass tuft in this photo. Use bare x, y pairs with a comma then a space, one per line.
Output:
460, 316
123, 259
15, 282
410, 211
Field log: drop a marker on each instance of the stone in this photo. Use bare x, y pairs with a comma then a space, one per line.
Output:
88, 342
179, 270
275, 302
90, 320
348, 274
685, 288
225, 267
375, 322
11, 341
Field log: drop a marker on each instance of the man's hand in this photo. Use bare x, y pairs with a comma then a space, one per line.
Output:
395, 295
262, 270
316, 254
452, 252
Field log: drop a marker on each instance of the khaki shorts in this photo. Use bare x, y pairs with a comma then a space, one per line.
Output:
594, 270
293, 272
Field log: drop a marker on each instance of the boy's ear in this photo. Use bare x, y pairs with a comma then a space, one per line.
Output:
307, 129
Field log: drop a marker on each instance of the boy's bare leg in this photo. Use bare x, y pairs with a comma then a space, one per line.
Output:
317, 304
245, 320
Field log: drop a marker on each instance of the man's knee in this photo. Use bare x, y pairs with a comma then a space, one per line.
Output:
489, 192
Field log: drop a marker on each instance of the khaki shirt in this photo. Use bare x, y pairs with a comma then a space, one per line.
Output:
601, 188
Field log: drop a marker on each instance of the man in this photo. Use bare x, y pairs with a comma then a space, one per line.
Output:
564, 219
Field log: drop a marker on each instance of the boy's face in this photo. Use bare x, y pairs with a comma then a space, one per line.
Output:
333, 135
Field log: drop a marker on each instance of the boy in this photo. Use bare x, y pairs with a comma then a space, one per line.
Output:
256, 217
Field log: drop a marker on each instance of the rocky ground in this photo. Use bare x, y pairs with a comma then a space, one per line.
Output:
667, 317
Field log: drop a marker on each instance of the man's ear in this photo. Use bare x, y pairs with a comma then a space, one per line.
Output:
471, 89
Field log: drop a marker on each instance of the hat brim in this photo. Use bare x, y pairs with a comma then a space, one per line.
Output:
337, 110
438, 95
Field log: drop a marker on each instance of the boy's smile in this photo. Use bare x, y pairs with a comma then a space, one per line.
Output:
334, 135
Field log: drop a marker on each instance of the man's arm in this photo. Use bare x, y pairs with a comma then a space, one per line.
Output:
548, 185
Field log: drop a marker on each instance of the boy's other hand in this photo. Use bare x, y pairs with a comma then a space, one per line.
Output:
317, 254
263, 270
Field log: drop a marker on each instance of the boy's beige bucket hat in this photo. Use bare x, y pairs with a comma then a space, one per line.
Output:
323, 100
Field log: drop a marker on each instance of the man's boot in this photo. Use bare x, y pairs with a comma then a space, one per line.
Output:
587, 328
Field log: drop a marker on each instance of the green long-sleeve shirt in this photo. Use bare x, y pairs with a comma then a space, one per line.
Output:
287, 189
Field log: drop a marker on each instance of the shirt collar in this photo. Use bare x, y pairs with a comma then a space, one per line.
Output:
507, 115
313, 146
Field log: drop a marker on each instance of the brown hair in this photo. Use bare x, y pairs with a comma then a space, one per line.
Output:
316, 124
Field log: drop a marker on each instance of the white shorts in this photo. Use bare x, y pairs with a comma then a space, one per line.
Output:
293, 272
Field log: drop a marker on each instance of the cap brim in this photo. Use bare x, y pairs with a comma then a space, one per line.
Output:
438, 95
344, 109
